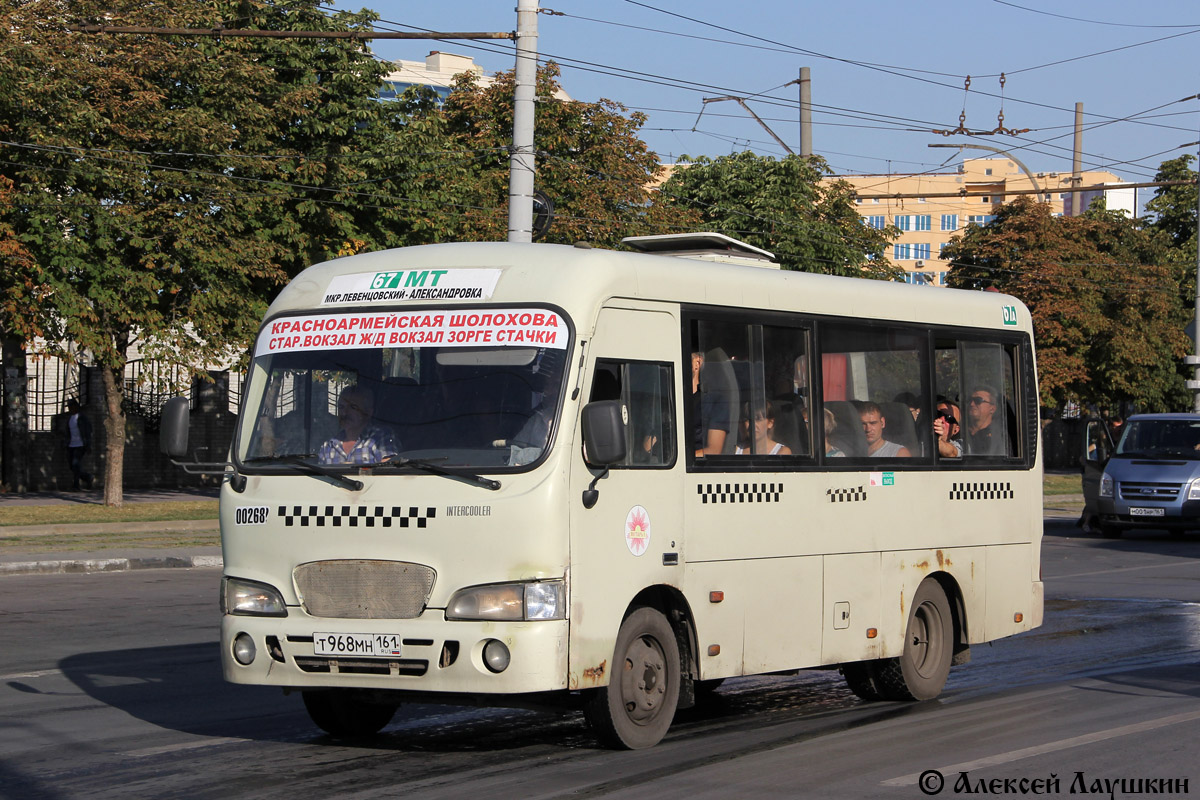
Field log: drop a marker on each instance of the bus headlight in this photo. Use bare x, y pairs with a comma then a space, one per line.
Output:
512, 602
241, 597
1106, 485
1194, 490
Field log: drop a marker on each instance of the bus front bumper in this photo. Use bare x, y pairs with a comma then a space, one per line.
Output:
435, 655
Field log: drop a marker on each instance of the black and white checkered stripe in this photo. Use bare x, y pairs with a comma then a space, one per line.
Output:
854, 495
739, 492
981, 491
356, 516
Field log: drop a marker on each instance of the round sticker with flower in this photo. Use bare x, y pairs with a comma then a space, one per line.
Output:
637, 530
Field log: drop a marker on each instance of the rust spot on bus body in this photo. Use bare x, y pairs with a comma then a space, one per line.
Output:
596, 673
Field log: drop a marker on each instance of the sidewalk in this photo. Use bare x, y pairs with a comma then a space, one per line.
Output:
26, 560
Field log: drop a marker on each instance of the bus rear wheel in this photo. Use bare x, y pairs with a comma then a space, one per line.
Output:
347, 714
920, 672
636, 708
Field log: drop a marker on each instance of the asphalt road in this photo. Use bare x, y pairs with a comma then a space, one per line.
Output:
110, 687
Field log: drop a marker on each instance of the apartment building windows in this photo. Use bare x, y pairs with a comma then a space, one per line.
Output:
981, 219
921, 251
876, 221
921, 222
949, 222
902, 252
904, 222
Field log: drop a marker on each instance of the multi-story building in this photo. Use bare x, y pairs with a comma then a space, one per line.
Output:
437, 71
931, 207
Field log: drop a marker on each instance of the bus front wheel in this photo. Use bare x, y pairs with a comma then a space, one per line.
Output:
346, 714
636, 708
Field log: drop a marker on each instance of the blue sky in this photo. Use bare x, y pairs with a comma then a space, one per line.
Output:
883, 73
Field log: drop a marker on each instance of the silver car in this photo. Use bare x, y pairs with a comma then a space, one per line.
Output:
1150, 479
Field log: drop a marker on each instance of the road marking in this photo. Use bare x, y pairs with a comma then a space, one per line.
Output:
1050, 747
41, 673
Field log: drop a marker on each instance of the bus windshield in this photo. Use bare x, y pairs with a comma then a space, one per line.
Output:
455, 405
1157, 438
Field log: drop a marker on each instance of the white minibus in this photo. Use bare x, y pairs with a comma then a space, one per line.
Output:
565, 476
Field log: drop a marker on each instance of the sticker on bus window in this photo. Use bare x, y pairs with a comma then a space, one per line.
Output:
883, 479
500, 327
411, 284
637, 530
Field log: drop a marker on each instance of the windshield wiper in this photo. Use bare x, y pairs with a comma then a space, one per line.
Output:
427, 465
298, 463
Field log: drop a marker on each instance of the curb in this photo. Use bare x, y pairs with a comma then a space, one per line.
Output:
86, 565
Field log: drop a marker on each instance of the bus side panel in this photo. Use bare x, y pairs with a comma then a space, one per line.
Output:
1010, 592
783, 614
719, 625
852, 606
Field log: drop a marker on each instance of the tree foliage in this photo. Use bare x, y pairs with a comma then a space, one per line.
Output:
590, 163
166, 187
781, 205
1104, 297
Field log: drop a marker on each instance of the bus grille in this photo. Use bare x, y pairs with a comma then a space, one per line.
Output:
362, 589
1162, 492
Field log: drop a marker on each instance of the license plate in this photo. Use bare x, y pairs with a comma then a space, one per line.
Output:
1145, 512
356, 644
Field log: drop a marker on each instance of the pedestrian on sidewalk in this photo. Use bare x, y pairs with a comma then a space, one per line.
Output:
78, 436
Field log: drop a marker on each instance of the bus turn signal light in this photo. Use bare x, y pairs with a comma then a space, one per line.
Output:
716, 597
872, 633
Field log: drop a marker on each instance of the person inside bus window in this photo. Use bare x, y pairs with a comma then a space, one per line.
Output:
982, 436
874, 424
830, 426
359, 440
946, 429
763, 433
710, 413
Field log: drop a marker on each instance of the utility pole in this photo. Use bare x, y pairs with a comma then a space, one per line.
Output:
1194, 360
805, 113
521, 158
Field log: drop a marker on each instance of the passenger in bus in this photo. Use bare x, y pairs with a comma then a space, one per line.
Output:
711, 409
359, 440
982, 436
874, 424
946, 429
763, 433
830, 427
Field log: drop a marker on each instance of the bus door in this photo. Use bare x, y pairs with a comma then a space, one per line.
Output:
632, 537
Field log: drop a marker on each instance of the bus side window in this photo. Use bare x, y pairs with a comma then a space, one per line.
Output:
645, 389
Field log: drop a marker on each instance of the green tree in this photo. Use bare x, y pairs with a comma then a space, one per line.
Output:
1104, 298
166, 187
1174, 207
783, 205
591, 163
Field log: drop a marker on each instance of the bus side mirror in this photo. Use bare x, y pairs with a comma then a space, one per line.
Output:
604, 432
173, 433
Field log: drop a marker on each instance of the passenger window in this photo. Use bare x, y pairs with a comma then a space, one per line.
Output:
989, 403
873, 381
750, 390
645, 389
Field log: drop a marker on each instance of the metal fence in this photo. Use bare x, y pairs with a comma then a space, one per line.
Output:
51, 382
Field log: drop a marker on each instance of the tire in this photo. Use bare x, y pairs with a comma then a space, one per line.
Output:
920, 672
862, 678
345, 714
636, 708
